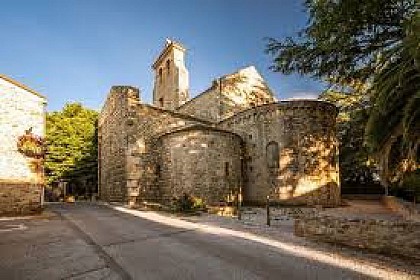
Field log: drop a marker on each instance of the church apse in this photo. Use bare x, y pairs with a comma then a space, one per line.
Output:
290, 152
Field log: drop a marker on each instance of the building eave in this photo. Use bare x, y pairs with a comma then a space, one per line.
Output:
22, 86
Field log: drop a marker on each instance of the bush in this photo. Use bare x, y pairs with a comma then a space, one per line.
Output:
199, 204
409, 187
187, 204
412, 183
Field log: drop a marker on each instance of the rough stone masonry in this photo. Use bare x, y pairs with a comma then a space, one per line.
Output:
233, 140
22, 111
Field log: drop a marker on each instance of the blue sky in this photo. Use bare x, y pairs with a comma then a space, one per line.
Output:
76, 50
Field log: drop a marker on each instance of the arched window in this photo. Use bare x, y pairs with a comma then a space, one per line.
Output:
161, 102
273, 154
160, 75
168, 66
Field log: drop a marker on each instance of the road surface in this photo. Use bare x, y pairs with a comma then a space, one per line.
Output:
87, 241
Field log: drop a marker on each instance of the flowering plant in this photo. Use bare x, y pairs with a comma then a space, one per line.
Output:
31, 145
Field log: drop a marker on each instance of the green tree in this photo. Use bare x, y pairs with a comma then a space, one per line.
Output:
375, 42
71, 139
343, 38
393, 128
357, 168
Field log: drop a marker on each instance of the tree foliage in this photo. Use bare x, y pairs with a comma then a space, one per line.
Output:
357, 167
343, 38
376, 43
396, 92
71, 139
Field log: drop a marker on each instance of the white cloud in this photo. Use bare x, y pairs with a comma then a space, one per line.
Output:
303, 95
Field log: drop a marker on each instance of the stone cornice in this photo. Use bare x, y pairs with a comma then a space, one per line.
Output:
297, 104
199, 128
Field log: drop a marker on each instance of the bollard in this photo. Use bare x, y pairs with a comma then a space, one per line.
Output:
239, 206
268, 211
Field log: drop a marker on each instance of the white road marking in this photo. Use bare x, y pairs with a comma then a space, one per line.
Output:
15, 218
13, 227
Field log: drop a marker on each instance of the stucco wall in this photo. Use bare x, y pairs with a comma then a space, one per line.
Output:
307, 171
20, 176
201, 162
19, 111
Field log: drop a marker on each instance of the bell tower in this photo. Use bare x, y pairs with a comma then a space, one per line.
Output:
171, 77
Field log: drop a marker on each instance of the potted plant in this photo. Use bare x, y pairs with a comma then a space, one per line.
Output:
31, 145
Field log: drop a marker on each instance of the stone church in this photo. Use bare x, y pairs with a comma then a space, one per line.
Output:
233, 138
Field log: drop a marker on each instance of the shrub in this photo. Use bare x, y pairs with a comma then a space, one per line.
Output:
411, 182
409, 187
187, 204
199, 204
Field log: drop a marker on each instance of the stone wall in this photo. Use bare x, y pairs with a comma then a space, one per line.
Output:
205, 106
114, 121
404, 208
19, 198
21, 176
229, 95
145, 127
127, 133
202, 162
394, 238
290, 152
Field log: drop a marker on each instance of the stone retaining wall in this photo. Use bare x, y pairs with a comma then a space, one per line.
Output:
394, 238
407, 210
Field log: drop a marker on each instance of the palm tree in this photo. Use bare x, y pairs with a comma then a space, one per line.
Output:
396, 111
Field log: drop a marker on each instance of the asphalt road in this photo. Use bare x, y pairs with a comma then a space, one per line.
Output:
95, 242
